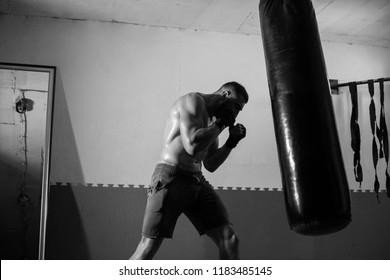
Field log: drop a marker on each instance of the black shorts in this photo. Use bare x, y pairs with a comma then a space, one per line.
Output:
172, 192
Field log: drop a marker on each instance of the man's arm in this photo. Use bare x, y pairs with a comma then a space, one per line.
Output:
216, 156
196, 138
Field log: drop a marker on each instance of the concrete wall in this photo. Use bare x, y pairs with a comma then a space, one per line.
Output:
115, 84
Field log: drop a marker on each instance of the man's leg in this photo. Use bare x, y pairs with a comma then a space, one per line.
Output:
227, 241
147, 248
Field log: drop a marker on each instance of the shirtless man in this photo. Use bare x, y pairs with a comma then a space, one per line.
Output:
178, 186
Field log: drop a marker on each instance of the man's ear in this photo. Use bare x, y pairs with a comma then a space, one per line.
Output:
225, 93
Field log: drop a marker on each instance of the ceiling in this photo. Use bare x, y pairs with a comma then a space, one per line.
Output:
349, 21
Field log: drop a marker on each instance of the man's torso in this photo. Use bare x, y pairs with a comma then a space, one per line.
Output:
173, 151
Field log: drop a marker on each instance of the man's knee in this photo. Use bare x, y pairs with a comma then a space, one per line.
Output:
224, 236
227, 241
230, 237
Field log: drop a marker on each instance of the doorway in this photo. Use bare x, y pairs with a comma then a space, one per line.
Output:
26, 105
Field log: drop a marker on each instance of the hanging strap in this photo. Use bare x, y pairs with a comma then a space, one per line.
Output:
355, 134
384, 134
374, 129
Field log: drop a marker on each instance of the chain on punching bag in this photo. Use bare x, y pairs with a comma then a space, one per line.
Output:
314, 182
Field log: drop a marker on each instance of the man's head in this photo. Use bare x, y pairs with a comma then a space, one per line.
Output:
234, 96
237, 89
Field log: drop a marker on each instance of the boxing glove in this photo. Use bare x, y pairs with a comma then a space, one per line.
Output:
236, 134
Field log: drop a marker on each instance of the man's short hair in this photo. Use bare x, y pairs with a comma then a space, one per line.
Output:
238, 88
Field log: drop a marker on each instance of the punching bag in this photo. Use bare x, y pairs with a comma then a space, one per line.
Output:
313, 176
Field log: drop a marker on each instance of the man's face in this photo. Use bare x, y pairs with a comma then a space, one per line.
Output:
236, 101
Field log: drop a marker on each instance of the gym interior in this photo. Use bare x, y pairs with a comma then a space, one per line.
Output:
114, 82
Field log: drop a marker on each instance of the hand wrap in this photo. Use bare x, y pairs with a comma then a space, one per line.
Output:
236, 134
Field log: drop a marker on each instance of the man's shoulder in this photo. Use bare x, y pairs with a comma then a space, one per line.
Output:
192, 99
192, 96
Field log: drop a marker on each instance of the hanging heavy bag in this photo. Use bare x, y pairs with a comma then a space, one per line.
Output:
313, 176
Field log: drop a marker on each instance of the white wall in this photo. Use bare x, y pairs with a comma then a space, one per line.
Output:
116, 82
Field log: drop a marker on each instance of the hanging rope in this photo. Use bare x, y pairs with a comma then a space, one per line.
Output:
355, 134
382, 132
374, 129
378, 129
